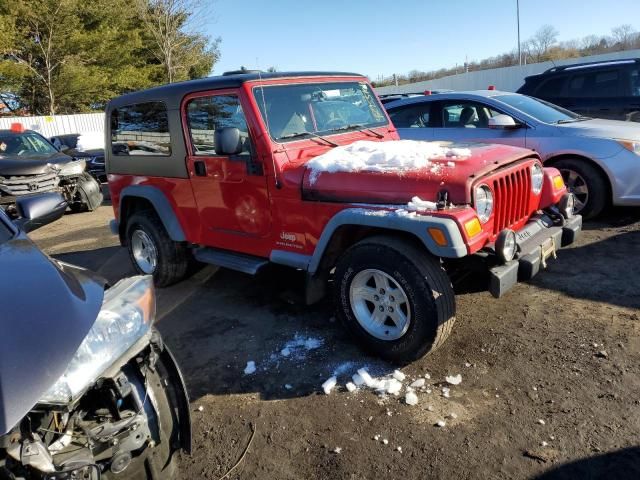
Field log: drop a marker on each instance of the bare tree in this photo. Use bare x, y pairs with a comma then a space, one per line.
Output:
623, 35
540, 44
173, 25
42, 59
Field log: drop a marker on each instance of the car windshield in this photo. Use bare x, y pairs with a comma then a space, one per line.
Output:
307, 110
539, 109
24, 145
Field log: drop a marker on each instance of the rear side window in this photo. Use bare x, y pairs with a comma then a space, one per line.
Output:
411, 116
207, 114
635, 82
141, 129
595, 84
551, 88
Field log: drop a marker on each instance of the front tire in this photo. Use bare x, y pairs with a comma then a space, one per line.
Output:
394, 297
587, 183
152, 251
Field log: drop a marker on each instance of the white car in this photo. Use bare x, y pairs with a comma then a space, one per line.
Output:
599, 159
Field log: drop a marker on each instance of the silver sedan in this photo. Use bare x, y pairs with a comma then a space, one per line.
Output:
599, 159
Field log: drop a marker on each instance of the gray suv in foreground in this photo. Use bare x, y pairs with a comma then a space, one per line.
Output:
599, 159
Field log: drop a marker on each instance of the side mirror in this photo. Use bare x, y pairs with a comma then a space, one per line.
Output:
504, 122
64, 148
227, 141
36, 211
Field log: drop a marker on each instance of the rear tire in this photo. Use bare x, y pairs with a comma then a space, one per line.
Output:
152, 251
415, 278
587, 183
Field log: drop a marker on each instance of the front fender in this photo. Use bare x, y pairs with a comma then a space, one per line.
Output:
416, 225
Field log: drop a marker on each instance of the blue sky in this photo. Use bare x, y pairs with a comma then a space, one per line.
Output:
377, 37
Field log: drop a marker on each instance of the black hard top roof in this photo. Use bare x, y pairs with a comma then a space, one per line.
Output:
172, 93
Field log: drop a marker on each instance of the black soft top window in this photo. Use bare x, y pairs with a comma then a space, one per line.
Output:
140, 129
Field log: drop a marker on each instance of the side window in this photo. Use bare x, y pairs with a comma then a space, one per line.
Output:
578, 86
635, 82
141, 129
411, 116
464, 115
551, 88
207, 114
595, 84
606, 84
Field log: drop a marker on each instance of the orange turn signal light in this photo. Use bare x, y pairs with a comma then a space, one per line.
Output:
558, 182
438, 236
473, 227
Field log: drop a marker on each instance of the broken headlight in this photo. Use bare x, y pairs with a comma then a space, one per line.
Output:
73, 168
127, 313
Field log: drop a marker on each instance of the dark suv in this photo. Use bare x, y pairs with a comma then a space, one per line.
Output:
608, 89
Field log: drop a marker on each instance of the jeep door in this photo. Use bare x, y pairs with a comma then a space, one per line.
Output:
230, 190
468, 121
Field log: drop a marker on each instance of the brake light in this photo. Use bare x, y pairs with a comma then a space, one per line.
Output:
427, 92
17, 127
491, 87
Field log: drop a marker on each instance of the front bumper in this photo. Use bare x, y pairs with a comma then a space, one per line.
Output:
538, 241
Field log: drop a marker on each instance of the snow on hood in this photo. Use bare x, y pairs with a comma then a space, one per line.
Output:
394, 156
90, 141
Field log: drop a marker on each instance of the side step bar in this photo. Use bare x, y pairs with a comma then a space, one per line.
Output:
231, 260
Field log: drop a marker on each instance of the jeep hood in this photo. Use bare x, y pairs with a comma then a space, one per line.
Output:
47, 310
376, 183
30, 164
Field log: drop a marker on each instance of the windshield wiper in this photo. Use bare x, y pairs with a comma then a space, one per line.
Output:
571, 120
311, 134
360, 128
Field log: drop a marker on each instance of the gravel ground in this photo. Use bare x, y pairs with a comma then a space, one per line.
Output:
557, 360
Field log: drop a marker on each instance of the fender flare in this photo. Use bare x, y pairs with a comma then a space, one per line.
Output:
160, 204
416, 225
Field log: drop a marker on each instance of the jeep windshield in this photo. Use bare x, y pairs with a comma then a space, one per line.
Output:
297, 111
26, 145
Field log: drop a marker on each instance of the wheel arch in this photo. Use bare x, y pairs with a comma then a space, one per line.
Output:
551, 161
352, 225
136, 198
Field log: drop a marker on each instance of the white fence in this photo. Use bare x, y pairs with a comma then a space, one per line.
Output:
58, 124
507, 79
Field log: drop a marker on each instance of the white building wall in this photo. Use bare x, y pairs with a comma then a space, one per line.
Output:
507, 79
58, 124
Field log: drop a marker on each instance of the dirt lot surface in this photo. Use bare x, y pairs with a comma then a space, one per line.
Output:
557, 360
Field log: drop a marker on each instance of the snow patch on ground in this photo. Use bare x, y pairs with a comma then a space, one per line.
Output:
396, 156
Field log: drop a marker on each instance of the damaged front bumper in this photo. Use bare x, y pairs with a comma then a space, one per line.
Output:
538, 242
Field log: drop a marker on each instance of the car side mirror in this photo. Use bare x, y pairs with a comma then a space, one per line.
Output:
36, 211
227, 141
64, 148
503, 122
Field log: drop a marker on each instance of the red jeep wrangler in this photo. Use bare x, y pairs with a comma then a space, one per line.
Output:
306, 170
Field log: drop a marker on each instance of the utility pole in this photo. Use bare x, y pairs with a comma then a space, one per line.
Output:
519, 48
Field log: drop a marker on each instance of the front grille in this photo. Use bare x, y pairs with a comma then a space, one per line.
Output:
511, 192
25, 185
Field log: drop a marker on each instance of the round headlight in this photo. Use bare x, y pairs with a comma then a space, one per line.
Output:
537, 177
506, 245
483, 202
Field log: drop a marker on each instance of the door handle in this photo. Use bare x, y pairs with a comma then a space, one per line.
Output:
200, 168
